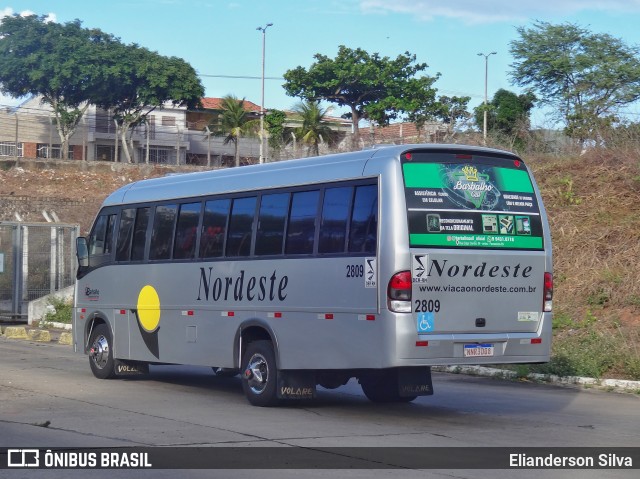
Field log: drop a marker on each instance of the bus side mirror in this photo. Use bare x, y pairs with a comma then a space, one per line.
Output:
82, 252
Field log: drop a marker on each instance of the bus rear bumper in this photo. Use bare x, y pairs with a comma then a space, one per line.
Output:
469, 349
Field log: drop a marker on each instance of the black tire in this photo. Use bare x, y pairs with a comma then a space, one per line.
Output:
383, 388
101, 352
259, 374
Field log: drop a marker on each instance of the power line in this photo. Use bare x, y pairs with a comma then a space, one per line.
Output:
241, 77
249, 77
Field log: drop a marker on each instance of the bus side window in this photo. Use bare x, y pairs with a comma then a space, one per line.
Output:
364, 220
301, 230
140, 234
271, 223
186, 231
125, 230
335, 213
108, 240
214, 228
162, 232
100, 242
241, 227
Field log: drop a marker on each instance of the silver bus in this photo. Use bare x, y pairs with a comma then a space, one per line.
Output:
375, 265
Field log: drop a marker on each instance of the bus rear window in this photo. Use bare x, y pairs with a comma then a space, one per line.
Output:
464, 201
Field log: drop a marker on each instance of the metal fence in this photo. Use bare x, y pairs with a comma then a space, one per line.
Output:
36, 259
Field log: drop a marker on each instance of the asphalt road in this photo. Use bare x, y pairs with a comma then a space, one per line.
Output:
49, 398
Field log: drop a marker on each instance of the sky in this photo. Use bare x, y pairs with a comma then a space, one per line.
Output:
219, 38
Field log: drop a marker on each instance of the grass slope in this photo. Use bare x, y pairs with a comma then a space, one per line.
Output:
593, 202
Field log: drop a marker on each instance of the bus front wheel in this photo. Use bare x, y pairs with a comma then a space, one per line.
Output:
259, 374
101, 352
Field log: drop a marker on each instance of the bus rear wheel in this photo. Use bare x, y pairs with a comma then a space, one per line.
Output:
101, 352
383, 387
259, 374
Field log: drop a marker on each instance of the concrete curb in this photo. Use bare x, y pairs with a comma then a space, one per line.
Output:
15, 332
65, 338
38, 334
620, 385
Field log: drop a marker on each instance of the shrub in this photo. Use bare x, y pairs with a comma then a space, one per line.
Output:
62, 311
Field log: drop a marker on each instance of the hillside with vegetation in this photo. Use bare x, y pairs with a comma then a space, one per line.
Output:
593, 202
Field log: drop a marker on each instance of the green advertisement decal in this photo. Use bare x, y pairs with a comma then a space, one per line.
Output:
469, 205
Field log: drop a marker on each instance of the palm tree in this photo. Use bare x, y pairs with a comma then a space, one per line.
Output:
233, 123
315, 127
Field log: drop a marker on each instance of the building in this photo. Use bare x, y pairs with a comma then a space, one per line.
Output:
172, 135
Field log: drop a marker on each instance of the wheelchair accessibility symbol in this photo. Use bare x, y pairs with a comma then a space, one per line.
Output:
425, 322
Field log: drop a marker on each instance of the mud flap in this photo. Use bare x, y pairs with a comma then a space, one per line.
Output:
130, 368
415, 382
296, 384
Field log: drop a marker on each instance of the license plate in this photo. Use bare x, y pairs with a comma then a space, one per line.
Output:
478, 350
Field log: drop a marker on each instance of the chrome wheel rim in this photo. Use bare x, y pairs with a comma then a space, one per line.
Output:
100, 351
259, 373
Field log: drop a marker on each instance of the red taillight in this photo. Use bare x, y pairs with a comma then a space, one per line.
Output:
548, 292
400, 286
399, 292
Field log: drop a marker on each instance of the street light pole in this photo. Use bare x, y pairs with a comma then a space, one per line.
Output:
486, 77
264, 39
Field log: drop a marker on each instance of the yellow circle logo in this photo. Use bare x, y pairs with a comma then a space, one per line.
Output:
149, 308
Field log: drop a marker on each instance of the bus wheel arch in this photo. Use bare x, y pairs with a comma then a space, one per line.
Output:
250, 331
93, 322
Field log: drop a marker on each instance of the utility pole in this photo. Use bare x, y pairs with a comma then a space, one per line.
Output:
264, 38
486, 77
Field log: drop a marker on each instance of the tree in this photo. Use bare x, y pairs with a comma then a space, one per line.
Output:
274, 121
234, 123
374, 88
451, 111
507, 113
314, 128
63, 63
586, 77
140, 82
72, 67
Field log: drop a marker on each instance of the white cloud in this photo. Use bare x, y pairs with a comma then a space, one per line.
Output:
8, 11
490, 11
